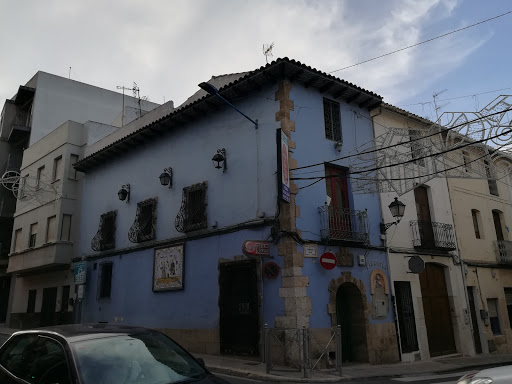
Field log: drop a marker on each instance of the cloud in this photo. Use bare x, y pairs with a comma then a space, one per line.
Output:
168, 47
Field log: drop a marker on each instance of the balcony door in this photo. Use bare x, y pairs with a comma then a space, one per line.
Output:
337, 191
424, 218
497, 225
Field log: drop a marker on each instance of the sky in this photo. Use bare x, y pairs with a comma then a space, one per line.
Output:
169, 46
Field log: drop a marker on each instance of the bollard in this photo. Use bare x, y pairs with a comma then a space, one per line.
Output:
268, 347
339, 349
305, 350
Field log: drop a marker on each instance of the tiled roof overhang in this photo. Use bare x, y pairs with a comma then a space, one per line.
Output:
271, 73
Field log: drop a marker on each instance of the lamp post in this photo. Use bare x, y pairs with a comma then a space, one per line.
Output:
397, 209
212, 90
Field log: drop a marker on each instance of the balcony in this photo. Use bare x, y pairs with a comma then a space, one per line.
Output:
344, 224
432, 235
503, 251
48, 256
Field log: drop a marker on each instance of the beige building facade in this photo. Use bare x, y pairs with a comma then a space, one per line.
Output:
482, 213
431, 307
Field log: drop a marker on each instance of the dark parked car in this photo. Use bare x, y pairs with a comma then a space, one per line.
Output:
98, 354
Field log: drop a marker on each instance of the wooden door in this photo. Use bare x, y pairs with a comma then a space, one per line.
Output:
339, 208
238, 304
48, 306
497, 225
474, 320
436, 309
424, 217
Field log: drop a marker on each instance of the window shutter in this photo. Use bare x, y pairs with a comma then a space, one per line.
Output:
492, 305
65, 233
51, 230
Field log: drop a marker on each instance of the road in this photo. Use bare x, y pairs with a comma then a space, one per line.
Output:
447, 378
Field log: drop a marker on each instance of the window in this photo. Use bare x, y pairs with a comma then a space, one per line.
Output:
32, 236
31, 305
57, 168
106, 236
508, 299
417, 149
332, 120
144, 226
23, 192
491, 180
72, 170
44, 360
17, 246
65, 232
474, 215
51, 229
40, 172
492, 306
105, 280
467, 161
192, 214
65, 298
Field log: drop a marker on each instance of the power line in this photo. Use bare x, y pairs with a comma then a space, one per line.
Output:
402, 143
422, 42
457, 97
408, 161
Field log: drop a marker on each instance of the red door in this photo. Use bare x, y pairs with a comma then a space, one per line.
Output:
339, 209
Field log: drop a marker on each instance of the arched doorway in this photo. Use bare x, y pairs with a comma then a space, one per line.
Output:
350, 315
436, 309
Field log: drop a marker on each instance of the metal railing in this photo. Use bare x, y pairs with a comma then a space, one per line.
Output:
302, 349
503, 251
344, 224
429, 234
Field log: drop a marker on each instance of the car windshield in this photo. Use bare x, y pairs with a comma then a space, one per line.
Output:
141, 358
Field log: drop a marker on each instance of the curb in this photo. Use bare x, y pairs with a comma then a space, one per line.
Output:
273, 378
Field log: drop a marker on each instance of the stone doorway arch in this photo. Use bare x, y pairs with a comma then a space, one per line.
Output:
349, 308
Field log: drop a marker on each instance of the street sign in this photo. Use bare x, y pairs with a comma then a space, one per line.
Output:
256, 248
416, 264
80, 272
270, 270
309, 250
328, 260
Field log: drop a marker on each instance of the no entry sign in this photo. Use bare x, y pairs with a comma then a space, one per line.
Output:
328, 260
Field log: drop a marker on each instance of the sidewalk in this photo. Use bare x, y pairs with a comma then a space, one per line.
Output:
253, 369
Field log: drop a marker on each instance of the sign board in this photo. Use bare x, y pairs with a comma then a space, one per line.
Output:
310, 250
284, 168
256, 248
328, 260
80, 272
270, 270
416, 264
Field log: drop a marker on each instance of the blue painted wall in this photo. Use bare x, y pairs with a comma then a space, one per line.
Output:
233, 197
196, 306
312, 147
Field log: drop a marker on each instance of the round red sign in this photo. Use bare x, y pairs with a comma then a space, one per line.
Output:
270, 270
328, 260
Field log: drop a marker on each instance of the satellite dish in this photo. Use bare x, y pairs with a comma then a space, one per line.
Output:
416, 264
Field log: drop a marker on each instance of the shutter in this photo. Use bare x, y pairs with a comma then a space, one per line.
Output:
508, 296
51, 230
65, 233
492, 305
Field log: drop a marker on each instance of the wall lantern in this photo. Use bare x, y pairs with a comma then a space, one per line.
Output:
220, 160
338, 145
397, 209
166, 177
124, 193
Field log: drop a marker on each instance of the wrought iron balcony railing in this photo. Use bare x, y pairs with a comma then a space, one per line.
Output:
503, 251
344, 224
429, 234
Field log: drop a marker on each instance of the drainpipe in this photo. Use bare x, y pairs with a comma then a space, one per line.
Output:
462, 274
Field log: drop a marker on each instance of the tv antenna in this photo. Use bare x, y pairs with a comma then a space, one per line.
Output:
267, 50
434, 96
136, 94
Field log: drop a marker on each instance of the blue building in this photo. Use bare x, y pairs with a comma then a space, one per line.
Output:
235, 240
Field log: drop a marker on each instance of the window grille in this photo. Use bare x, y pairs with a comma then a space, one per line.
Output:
332, 119
144, 226
192, 214
105, 238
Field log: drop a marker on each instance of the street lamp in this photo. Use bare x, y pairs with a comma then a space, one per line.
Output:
124, 193
397, 209
212, 90
166, 177
219, 160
